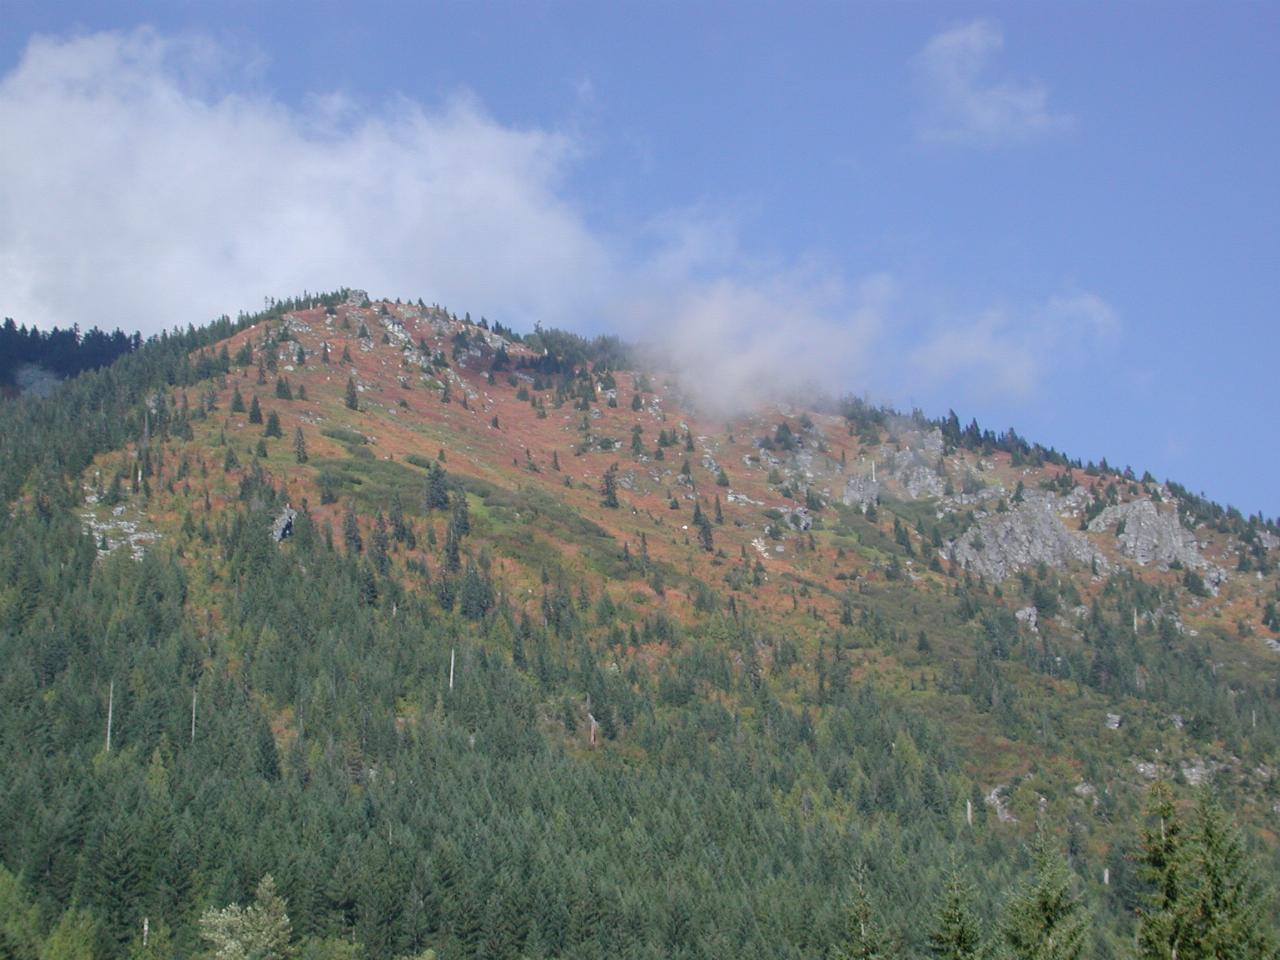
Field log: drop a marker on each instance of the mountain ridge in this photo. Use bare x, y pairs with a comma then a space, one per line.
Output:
1050, 637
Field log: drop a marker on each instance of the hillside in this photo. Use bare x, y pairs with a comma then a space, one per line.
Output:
498, 645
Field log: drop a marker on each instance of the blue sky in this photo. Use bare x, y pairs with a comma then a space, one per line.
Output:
1062, 218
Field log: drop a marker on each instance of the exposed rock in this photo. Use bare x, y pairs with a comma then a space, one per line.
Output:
915, 467
861, 492
1030, 616
1113, 721
996, 800
357, 298
282, 526
1150, 536
801, 519
1001, 544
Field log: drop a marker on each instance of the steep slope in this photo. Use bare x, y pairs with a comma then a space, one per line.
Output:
514, 580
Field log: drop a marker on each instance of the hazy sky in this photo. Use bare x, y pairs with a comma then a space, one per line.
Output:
1063, 218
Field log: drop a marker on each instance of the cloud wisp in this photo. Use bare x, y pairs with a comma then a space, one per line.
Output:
966, 104
140, 187
1003, 355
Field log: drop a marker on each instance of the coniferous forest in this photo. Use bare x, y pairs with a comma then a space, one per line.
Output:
360, 743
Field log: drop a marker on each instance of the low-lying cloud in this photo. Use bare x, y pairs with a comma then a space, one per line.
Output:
140, 187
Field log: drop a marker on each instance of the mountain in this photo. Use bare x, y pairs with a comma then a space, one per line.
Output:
503, 645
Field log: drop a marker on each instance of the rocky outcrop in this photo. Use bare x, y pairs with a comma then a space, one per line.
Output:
282, 526
861, 492
914, 468
1148, 536
1000, 544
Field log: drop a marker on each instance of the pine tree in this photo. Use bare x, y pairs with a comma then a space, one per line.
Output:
352, 399
379, 544
1046, 920
351, 531
237, 401
255, 411
609, 487
299, 446
1228, 916
957, 931
1162, 921
283, 390
861, 936
272, 428
436, 496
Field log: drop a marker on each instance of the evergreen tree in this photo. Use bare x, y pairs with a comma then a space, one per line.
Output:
237, 401
1162, 921
861, 936
299, 446
260, 931
283, 390
436, 496
351, 531
1227, 913
255, 411
609, 487
273, 426
957, 931
379, 544
352, 398
1046, 920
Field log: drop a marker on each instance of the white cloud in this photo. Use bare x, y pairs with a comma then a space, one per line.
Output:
135, 183
139, 187
966, 104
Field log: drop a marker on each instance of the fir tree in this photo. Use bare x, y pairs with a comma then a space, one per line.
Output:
352, 398
861, 936
272, 428
436, 496
957, 931
351, 531
1047, 919
299, 446
255, 411
237, 401
609, 487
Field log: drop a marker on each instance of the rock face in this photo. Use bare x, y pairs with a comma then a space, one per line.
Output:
282, 526
861, 492
1001, 544
1150, 536
915, 467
